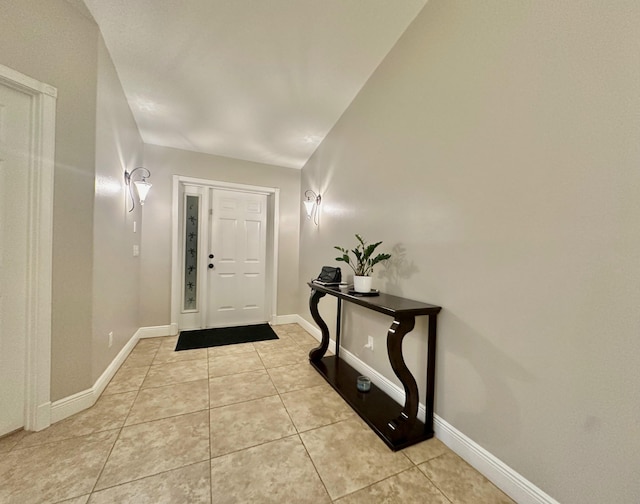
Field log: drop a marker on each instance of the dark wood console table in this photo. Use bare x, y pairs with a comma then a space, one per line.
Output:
397, 425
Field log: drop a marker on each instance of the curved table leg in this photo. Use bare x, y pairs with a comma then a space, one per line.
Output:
318, 353
402, 425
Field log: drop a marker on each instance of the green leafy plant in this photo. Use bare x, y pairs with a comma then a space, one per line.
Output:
363, 262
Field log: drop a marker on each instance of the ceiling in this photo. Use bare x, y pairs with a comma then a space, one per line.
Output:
259, 80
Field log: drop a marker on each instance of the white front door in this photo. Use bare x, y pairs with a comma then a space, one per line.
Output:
15, 158
236, 274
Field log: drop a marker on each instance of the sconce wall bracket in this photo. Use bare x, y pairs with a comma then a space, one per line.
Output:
141, 185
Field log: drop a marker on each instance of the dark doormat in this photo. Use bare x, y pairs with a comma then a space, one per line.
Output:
204, 338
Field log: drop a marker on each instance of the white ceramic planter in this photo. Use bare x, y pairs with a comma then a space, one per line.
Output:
362, 283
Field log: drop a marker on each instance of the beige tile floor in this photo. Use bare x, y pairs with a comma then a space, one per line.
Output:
250, 423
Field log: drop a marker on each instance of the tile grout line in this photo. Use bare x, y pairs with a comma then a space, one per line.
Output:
169, 416
315, 468
417, 465
109, 451
170, 384
210, 472
123, 483
413, 464
71, 437
376, 482
441, 490
246, 448
119, 429
140, 423
106, 460
297, 433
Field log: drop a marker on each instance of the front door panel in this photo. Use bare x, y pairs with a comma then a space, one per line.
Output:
237, 280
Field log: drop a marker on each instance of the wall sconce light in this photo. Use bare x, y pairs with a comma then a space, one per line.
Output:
311, 203
142, 186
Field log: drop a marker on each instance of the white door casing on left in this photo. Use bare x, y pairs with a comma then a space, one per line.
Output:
27, 135
15, 139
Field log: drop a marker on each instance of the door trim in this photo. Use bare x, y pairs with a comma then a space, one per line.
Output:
273, 193
40, 246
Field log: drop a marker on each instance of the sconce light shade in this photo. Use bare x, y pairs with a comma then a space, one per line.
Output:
143, 189
311, 203
142, 186
308, 205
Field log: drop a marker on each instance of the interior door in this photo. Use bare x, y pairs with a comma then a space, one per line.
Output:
236, 269
15, 148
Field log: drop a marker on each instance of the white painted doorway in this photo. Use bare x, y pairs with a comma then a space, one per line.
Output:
15, 137
225, 254
236, 268
27, 128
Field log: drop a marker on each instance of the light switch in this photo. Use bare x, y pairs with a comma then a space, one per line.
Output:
136, 250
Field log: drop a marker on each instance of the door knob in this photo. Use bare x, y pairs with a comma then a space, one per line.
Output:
210, 266
210, 256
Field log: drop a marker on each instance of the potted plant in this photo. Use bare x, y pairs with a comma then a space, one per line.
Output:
363, 262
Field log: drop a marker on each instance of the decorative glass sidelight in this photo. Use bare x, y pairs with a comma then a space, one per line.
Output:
192, 208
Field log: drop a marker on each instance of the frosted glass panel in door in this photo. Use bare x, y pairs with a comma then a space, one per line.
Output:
237, 282
191, 232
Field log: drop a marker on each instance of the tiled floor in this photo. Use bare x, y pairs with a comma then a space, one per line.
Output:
250, 423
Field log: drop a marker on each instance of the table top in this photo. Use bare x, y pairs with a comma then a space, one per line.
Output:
384, 303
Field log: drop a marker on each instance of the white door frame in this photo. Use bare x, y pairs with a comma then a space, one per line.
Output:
176, 266
40, 246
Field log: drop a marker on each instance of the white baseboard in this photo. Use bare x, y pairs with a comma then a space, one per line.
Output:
80, 401
314, 331
158, 331
43, 416
500, 474
284, 319
504, 477
309, 327
102, 382
64, 408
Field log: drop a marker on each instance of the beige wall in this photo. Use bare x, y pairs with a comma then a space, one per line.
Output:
116, 272
155, 298
95, 288
50, 41
496, 151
